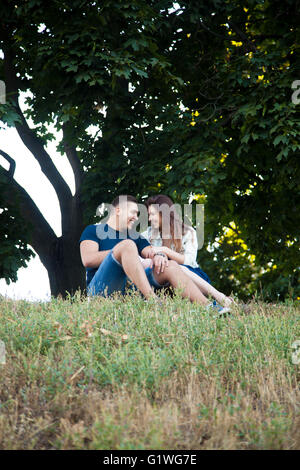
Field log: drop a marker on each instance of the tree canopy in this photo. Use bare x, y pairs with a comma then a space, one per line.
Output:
191, 99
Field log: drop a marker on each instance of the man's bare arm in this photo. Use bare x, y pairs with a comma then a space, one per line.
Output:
90, 256
147, 252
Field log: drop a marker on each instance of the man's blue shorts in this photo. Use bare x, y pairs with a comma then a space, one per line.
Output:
110, 277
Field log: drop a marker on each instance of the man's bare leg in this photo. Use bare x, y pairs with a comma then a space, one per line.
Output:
178, 278
126, 254
206, 288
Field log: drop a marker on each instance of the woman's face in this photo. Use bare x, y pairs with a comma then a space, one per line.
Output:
153, 217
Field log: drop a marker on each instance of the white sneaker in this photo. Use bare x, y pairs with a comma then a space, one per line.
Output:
221, 310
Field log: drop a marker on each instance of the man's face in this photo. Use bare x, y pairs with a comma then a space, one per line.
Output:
127, 213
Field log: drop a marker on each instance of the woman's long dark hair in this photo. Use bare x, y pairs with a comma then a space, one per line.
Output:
177, 227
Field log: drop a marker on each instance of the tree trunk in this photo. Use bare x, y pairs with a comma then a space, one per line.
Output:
60, 256
64, 267
63, 262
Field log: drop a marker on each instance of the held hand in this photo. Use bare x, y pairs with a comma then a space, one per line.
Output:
151, 252
148, 262
160, 262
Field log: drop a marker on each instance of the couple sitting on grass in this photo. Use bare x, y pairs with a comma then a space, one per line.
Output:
111, 255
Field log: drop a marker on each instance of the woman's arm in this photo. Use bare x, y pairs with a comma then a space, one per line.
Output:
189, 245
171, 254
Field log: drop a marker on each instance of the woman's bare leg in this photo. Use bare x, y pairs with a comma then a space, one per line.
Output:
177, 278
206, 288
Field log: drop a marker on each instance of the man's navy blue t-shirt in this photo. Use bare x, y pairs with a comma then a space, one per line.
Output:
107, 238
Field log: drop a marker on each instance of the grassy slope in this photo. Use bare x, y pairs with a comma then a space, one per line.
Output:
122, 374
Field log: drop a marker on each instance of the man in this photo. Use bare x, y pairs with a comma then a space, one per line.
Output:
110, 256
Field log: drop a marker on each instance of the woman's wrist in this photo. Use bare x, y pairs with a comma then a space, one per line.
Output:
172, 254
160, 253
165, 250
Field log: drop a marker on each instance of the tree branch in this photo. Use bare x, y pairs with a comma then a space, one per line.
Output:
31, 140
212, 32
12, 164
42, 234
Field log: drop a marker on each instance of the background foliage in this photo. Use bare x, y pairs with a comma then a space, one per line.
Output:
193, 101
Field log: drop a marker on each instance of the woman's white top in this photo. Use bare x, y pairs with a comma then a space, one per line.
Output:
189, 244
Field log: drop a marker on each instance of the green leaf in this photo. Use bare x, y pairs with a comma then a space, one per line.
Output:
279, 138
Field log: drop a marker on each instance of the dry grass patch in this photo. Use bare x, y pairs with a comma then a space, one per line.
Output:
119, 374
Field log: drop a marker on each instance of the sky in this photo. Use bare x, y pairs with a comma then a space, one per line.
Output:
33, 282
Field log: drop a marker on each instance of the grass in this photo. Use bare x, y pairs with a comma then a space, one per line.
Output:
126, 374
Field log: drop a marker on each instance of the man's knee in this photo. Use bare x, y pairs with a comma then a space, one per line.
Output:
124, 245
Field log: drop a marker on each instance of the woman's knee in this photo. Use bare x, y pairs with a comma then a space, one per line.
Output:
173, 264
171, 268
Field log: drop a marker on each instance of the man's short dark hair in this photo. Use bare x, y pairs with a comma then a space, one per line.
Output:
116, 201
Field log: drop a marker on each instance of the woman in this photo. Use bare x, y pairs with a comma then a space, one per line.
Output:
179, 244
